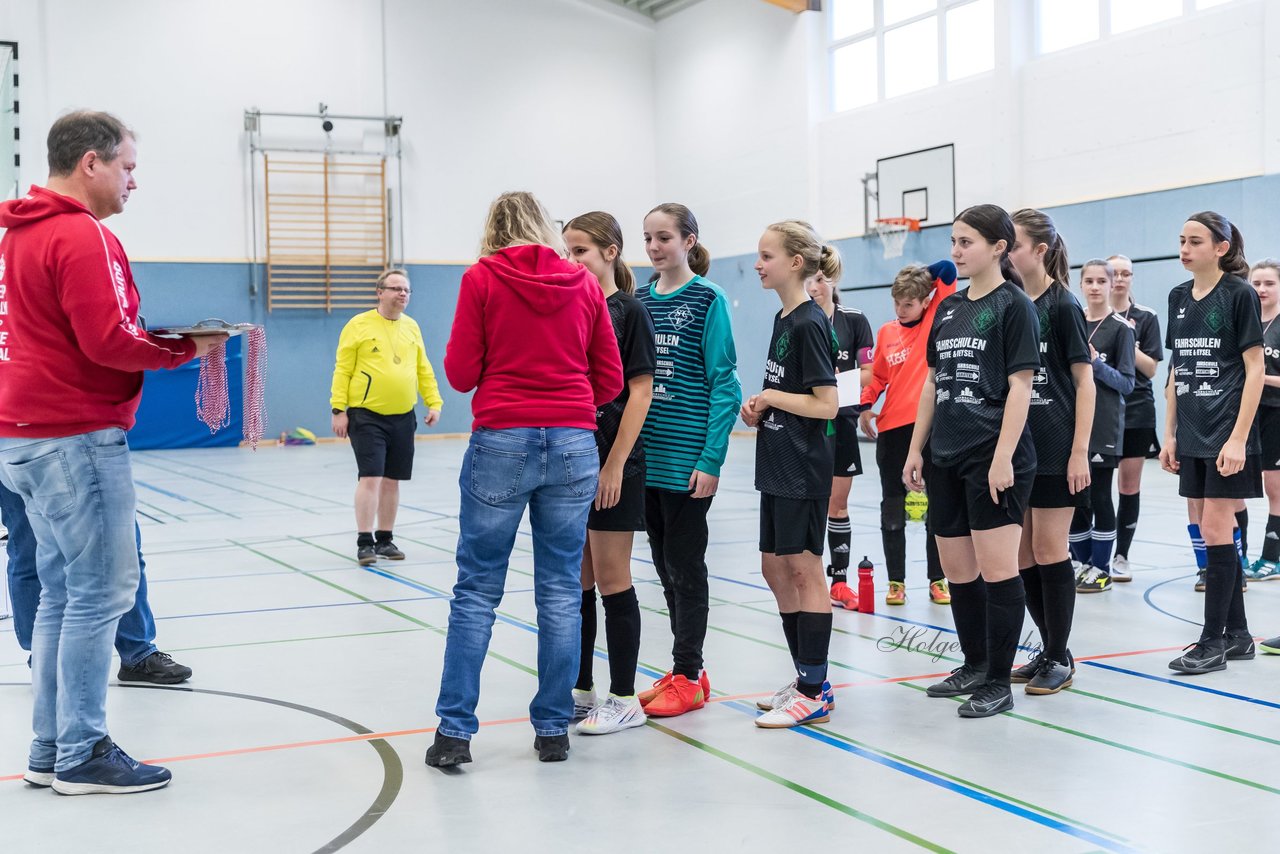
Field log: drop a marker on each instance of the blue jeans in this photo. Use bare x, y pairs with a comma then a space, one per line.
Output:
553, 471
136, 635
78, 492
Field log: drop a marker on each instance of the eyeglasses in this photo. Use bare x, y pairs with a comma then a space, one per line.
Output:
404, 291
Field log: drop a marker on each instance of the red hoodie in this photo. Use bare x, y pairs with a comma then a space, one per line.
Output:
532, 336
71, 351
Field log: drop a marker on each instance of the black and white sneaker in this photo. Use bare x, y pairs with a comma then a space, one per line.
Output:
1094, 580
965, 679
387, 550
1027, 672
158, 668
1052, 677
366, 555
1200, 582
1240, 647
991, 699
1203, 656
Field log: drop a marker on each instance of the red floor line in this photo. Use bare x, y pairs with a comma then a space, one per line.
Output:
373, 735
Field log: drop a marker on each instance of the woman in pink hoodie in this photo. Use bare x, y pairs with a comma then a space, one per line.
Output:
533, 339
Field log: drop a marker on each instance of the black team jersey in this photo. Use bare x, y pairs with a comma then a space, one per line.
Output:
1140, 404
1113, 376
634, 329
854, 343
1271, 357
1052, 416
974, 346
1205, 339
794, 455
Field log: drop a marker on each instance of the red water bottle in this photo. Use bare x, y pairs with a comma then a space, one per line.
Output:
866, 587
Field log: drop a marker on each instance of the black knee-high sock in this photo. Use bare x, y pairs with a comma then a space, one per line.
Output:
1242, 522
1237, 621
813, 641
895, 552
932, 561
1126, 522
1220, 579
1271, 543
1058, 583
588, 640
622, 633
1006, 601
969, 611
839, 538
1035, 600
791, 629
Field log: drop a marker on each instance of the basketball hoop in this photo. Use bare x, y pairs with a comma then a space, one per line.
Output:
893, 233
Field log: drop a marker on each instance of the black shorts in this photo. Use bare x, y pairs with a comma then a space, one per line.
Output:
960, 502
848, 458
627, 514
789, 526
1140, 442
1050, 491
1269, 432
1103, 461
1198, 478
383, 443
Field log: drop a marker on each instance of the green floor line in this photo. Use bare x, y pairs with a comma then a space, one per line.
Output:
803, 790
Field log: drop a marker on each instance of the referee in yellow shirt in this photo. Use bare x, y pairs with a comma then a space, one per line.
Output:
380, 370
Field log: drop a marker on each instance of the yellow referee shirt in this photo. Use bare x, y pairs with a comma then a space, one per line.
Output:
382, 366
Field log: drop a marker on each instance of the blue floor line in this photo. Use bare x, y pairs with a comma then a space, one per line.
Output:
1184, 684
1146, 597
154, 488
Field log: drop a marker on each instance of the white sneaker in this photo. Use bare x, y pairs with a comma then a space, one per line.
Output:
614, 714
779, 698
797, 711
584, 702
1120, 569
1081, 569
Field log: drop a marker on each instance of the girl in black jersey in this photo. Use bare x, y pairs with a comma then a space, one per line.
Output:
1216, 370
1140, 443
854, 345
793, 469
1265, 278
594, 240
1060, 418
982, 354
1111, 349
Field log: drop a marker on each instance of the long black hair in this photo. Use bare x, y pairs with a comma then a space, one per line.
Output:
994, 224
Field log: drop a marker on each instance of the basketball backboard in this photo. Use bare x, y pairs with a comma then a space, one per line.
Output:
918, 184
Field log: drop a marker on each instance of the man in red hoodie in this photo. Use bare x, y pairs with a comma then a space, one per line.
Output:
72, 353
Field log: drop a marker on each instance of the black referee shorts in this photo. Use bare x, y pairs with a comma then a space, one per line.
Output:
383, 443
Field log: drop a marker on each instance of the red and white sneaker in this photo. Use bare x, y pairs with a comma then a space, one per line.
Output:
799, 710
842, 596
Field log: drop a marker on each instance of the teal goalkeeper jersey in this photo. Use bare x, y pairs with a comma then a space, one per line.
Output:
696, 393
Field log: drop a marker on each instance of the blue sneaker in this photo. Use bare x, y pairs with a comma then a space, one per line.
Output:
1263, 570
110, 771
41, 778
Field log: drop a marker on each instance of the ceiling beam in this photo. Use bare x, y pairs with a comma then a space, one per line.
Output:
798, 5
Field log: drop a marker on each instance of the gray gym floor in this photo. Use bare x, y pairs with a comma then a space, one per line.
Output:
305, 725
